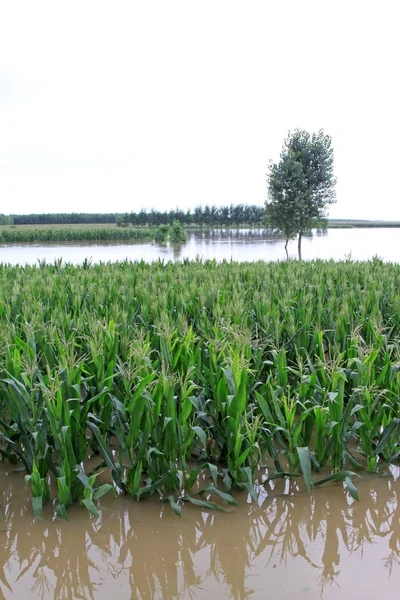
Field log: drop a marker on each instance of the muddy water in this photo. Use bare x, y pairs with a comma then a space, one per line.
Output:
291, 546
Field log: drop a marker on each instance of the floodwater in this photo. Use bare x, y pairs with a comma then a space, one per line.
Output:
324, 546
238, 245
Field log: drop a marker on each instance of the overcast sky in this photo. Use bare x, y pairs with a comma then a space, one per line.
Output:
115, 106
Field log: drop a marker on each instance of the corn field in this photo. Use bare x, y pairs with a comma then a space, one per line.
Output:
70, 234
236, 374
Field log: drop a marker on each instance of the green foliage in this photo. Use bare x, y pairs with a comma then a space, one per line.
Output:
301, 185
122, 223
74, 235
161, 234
233, 215
172, 373
63, 218
202, 216
6, 219
177, 233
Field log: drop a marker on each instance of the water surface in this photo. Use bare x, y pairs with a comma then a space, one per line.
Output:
238, 245
323, 546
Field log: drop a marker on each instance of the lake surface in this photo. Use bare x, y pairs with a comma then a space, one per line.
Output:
238, 245
292, 545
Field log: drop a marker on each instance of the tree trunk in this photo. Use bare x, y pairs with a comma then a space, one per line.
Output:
299, 244
287, 253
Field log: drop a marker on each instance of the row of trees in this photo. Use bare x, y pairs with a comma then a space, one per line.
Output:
58, 219
211, 216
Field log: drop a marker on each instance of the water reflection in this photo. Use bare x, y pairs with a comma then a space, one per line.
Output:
229, 244
290, 545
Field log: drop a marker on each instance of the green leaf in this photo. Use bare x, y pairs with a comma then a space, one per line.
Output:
88, 502
352, 488
248, 485
152, 487
387, 434
153, 450
226, 497
201, 434
244, 455
166, 421
37, 505
26, 460
229, 378
227, 482
204, 504
280, 475
134, 478
214, 473
61, 512
339, 476
81, 475
193, 475
102, 490
175, 507
107, 456
305, 463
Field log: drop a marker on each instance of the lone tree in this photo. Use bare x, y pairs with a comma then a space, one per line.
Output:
301, 185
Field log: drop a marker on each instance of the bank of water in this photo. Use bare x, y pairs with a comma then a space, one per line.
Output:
238, 245
290, 546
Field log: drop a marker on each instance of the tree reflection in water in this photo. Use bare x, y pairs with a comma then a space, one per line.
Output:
144, 551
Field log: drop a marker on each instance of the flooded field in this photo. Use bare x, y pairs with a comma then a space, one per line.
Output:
290, 546
185, 375
238, 245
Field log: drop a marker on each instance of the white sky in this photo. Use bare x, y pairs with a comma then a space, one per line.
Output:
115, 106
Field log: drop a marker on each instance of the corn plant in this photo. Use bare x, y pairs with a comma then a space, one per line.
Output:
187, 378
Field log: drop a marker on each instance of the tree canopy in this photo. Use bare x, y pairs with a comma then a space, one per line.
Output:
301, 185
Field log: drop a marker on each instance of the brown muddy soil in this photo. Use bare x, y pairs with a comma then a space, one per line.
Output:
291, 546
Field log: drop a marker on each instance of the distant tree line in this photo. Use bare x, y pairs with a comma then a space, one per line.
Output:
208, 216
64, 218
58, 219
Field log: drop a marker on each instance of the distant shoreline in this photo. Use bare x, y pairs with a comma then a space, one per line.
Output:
97, 232
350, 223
328, 224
